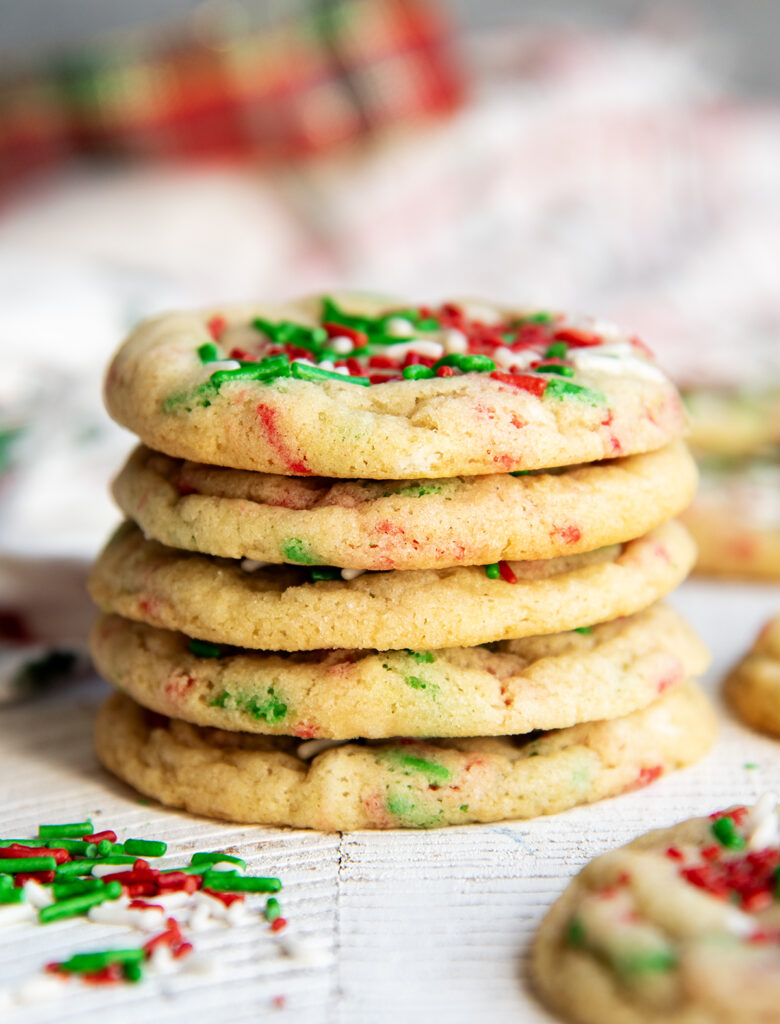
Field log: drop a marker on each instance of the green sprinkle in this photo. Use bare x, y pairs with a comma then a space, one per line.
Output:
204, 649
464, 808
537, 318
645, 962
423, 657
476, 364
583, 629
15, 865
324, 572
264, 370
112, 859
415, 491
105, 846
75, 830
557, 350
133, 971
559, 389
209, 353
14, 895
88, 963
74, 868
492, 571
216, 857
220, 701
271, 711
6, 882
294, 550
64, 890
222, 881
575, 933
432, 769
521, 472
418, 372
79, 904
562, 371
305, 372
725, 831
453, 359
750, 766
145, 847
415, 682
272, 909
286, 332
333, 314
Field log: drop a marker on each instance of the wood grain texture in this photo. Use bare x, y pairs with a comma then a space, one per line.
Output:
409, 926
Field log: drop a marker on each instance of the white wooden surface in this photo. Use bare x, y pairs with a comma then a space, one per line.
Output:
411, 926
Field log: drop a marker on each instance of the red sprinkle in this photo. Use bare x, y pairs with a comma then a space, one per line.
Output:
46, 877
278, 924
143, 905
506, 572
443, 371
523, 381
216, 326
17, 851
341, 331
674, 853
98, 837
228, 898
577, 337
737, 815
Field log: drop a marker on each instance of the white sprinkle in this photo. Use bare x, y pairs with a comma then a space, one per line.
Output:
199, 918
313, 747
225, 865
421, 346
36, 894
216, 908
619, 365
509, 360
236, 913
351, 574
304, 362
306, 954
326, 364
173, 900
454, 340
343, 370
99, 870
399, 327
253, 564
739, 923
222, 364
120, 912
479, 311
161, 961
342, 345
14, 913
762, 824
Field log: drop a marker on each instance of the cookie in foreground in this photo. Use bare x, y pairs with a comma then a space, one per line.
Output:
293, 608
678, 927
514, 686
259, 779
402, 524
349, 386
752, 688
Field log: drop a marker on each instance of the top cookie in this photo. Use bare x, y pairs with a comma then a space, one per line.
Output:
358, 387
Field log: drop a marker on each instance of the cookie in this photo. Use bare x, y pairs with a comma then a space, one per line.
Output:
735, 518
678, 927
404, 783
423, 524
361, 388
733, 423
514, 686
279, 608
753, 687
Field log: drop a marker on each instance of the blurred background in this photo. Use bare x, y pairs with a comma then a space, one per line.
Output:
613, 157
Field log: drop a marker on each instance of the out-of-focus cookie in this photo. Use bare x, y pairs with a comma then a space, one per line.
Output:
371, 389
679, 927
515, 686
280, 608
422, 524
753, 687
403, 783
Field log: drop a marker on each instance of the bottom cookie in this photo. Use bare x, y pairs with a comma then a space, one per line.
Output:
401, 783
753, 687
678, 927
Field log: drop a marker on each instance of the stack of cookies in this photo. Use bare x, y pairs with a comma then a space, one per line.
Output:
352, 521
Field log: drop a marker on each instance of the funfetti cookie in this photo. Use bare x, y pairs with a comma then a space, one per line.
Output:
678, 927
404, 783
361, 388
420, 524
515, 686
753, 687
291, 608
